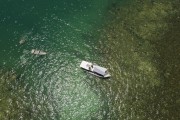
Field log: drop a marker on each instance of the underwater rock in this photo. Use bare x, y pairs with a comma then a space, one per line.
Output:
22, 41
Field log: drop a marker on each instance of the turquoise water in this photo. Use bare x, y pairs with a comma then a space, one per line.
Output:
52, 86
48, 25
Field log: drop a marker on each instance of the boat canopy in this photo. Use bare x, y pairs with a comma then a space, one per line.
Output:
99, 70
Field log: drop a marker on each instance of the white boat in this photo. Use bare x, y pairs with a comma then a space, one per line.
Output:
95, 69
38, 52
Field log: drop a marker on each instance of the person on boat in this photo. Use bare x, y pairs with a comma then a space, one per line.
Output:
91, 67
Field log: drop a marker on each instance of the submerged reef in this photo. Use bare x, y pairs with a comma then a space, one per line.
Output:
140, 41
16, 101
8, 99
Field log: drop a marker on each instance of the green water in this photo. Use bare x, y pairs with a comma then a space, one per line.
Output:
137, 41
53, 86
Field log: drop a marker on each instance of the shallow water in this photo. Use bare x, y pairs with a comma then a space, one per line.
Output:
142, 53
119, 36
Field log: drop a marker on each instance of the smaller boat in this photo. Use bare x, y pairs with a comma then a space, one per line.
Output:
38, 52
95, 69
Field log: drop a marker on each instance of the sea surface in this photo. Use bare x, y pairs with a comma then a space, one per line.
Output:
111, 33
51, 86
